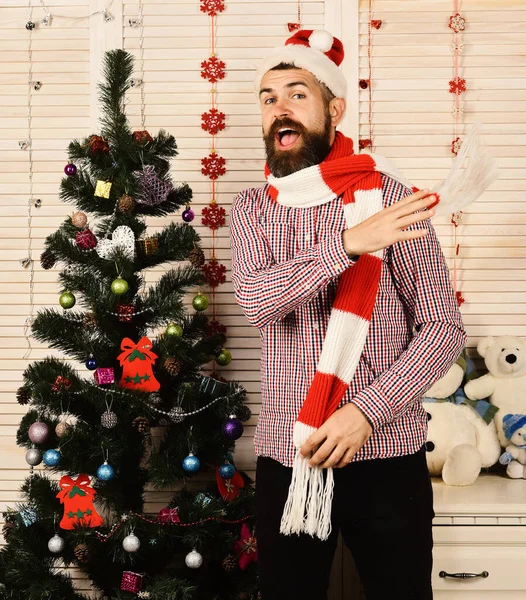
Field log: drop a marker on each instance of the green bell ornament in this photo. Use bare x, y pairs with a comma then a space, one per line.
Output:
223, 358
119, 286
174, 329
67, 300
200, 302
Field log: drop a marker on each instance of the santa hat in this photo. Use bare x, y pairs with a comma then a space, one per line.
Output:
316, 51
510, 424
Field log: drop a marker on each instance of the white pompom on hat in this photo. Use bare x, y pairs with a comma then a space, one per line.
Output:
316, 51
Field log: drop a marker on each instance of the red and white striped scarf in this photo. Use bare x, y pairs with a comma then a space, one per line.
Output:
358, 179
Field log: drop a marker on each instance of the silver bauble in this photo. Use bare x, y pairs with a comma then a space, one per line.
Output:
176, 414
38, 432
62, 429
155, 399
33, 457
131, 543
193, 560
56, 544
108, 419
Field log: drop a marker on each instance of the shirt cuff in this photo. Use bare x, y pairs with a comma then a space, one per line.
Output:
333, 258
374, 406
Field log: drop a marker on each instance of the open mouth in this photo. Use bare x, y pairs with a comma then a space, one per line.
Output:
286, 138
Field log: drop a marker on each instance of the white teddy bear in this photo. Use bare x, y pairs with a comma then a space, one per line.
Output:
459, 442
505, 383
514, 427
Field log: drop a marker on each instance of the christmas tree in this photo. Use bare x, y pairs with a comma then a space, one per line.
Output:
143, 353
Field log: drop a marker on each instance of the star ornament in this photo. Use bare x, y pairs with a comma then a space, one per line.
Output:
246, 548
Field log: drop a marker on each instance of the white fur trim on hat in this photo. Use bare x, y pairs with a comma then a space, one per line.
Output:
303, 57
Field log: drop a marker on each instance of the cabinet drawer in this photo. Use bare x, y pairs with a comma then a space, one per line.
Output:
504, 565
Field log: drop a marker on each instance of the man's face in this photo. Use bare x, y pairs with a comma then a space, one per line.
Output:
297, 127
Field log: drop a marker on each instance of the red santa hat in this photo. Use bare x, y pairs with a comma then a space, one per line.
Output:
316, 51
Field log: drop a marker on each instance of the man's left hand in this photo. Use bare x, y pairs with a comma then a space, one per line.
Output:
338, 439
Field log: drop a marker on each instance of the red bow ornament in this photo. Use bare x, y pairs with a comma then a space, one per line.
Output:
136, 361
78, 496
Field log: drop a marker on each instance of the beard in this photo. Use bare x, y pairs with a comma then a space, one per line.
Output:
310, 150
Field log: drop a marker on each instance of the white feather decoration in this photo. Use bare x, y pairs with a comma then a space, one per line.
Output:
471, 174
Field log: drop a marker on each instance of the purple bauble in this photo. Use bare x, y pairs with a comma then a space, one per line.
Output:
38, 432
232, 428
70, 169
188, 215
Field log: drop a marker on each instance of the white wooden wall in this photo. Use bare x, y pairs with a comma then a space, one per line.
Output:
413, 125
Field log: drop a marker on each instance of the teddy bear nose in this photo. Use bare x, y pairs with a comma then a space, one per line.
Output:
511, 358
430, 446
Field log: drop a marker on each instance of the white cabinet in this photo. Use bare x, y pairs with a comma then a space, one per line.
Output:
480, 530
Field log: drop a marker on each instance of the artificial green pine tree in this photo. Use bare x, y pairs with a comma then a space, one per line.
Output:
144, 354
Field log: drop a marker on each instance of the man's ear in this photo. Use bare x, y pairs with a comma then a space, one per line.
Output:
337, 108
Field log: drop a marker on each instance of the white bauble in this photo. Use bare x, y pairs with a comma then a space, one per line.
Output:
56, 544
193, 560
131, 543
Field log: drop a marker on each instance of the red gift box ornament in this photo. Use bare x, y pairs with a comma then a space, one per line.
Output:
85, 239
168, 515
125, 312
78, 496
132, 582
142, 137
104, 375
137, 361
61, 384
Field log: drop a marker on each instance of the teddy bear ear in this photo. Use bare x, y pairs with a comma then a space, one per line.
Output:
484, 344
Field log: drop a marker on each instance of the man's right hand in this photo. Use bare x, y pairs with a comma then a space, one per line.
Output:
388, 226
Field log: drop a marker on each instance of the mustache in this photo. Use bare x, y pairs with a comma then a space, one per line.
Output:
285, 122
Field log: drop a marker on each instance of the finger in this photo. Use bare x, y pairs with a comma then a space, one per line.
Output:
313, 442
404, 222
412, 198
334, 458
346, 458
416, 206
322, 453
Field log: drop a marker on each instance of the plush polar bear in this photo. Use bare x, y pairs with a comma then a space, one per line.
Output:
459, 442
514, 427
505, 383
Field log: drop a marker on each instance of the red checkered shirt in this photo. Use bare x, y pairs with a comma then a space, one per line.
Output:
286, 264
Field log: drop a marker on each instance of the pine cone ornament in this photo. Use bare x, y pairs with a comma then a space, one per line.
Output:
197, 257
243, 413
81, 553
23, 395
6, 529
173, 366
126, 204
47, 259
89, 321
142, 424
230, 562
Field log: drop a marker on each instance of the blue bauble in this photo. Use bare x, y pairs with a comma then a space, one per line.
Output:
232, 428
191, 463
91, 363
105, 472
52, 458
227, 471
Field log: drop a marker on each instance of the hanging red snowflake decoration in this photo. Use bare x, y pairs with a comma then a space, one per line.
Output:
364, 144
460, 298
456, 144
456, 218
215, 327
457, 23
212, 7
376, 23
213, 216
457, 85
213, 69
213, 166
293, 26
215, 273
213, 121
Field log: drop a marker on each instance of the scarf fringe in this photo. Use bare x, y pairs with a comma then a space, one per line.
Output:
471, 174
309, 503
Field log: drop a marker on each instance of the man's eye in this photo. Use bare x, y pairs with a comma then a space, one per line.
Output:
268, 101
298, 95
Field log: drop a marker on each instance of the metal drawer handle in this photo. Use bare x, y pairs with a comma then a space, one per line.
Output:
443, 574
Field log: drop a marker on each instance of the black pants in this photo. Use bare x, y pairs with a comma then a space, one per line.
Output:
384, 510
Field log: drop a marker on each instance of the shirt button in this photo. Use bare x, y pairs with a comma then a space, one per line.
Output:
307, 238
316, 326
337, 266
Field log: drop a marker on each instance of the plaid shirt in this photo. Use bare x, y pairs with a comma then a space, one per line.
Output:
286, 263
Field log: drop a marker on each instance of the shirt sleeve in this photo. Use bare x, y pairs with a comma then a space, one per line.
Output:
265, 290
421, 276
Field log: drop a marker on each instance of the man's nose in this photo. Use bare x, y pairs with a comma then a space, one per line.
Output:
281, 108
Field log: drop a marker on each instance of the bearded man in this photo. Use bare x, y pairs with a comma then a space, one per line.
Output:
336, 263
